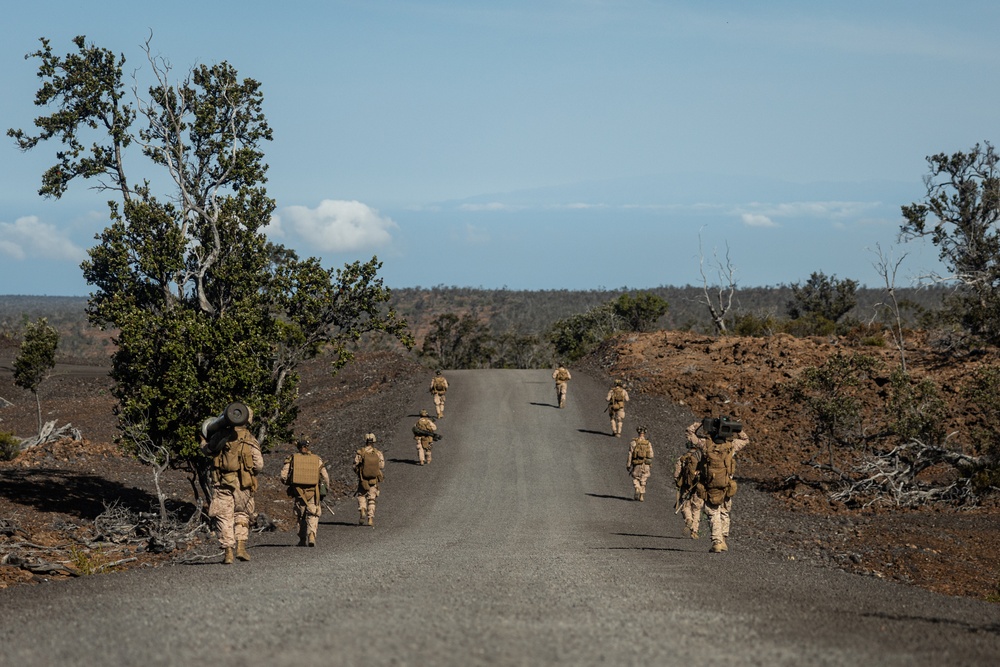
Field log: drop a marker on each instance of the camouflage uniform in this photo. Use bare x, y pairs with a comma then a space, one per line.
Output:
439, 387
232, 505
617, 396
424, 442
368, 488
638, 466
561, 376
718, 515
308, 499
690, 503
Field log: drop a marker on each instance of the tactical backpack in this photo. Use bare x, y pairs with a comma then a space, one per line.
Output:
562, 375
234, 465
643, 452
304, 470
688, 476
369, 469
716, 473
438, 384
617, 398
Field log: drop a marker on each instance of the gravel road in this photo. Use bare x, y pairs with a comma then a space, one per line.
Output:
519, 545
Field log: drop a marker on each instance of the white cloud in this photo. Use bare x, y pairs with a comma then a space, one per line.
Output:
30, 238
337, 225
757, 220
838, 213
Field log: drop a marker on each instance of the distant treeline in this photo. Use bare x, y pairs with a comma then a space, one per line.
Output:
501, 313
536, 311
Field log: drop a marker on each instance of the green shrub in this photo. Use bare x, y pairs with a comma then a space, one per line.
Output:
756, 326
811, 324
10, 446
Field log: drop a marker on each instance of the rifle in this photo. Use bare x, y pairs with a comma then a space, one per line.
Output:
427, 434
682, 497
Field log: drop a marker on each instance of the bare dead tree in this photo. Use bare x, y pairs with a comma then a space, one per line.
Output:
718, 297
156, 456
887, 268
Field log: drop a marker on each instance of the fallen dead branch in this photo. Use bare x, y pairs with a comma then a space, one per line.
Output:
892, 477
50, 433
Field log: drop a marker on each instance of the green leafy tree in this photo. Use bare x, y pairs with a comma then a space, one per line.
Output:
640, 312
36, 359
573, 337
959, 214
206, 310
459, 342
823, 298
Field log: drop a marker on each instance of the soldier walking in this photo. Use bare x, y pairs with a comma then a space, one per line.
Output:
640, 456
368, 463
439, 388
236, 462
307, 480
688, 502
562, 377
716, 485
617, 398
423, 432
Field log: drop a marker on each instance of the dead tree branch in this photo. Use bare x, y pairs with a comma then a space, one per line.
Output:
891, 477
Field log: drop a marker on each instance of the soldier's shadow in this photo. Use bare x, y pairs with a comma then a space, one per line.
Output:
592, 432
545, 405
601, 495
406, 461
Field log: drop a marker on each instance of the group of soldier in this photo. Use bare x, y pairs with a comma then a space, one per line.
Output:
704, 474
237, 461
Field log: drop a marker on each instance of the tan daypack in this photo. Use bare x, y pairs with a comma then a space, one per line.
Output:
369, 468
716, 473
562, 375
438, 384
617, 398
304, 470
643, 452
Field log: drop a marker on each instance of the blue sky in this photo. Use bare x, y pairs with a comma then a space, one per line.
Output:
550, 144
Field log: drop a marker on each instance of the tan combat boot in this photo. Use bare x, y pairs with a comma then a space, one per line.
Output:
241, 550
312, 539
694, 534
228, 558
718, 547
371, 520
642, 496
362, 515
